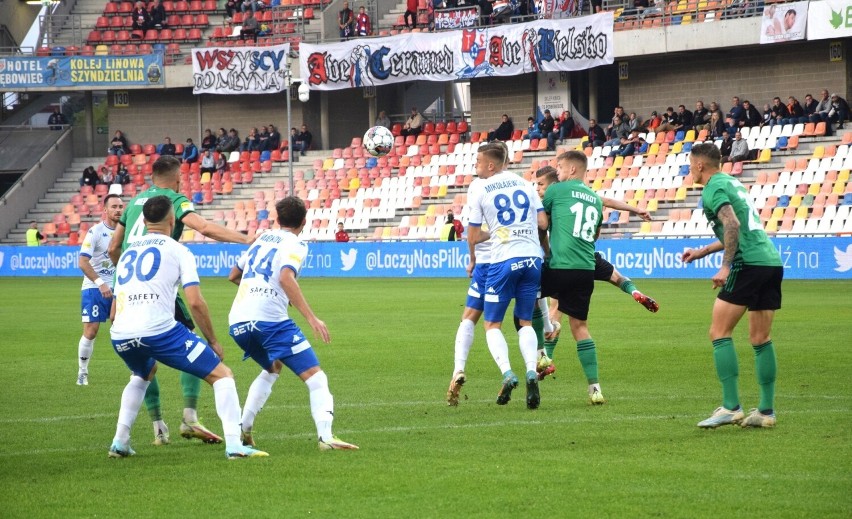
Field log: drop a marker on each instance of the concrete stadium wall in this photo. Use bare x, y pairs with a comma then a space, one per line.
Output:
492, 97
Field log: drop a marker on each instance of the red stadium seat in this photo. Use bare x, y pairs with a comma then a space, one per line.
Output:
196, 5
116, 49
108, 36
209, 5
116, 22
152, 35
194, 34
125, 7
94, 37
122, 36
165, 34
179, 34
102, 22
202, 20
110, 8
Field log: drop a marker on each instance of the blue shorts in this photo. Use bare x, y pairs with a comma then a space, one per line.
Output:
516, 278
177, 348
94, 306
267, 341
476, 290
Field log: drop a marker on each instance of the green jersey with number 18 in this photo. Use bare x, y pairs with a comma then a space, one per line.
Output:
754, 245
134, 224
576, 213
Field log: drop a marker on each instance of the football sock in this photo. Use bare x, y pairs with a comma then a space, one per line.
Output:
84, 352
131, 400
322, 404
228, 409
627, 286
594, 387
527, 343
728, 371
550, 345
766, 369
159, 427
499, 349
258, 393
152, 400
464, 340
545, 312
588, 359
537, 326
191, 386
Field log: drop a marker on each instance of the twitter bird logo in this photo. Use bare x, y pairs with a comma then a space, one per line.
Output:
348, 259
843, 259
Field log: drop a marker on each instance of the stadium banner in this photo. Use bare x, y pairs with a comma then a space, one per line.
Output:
829, 19
784, 22
803, 258
106, 72
459, 18
507, 50
240, 70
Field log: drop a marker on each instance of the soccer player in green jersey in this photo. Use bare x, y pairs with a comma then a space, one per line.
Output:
166, 181
750, 279
574, 217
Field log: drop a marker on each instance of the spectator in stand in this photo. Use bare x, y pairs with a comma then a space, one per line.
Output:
106, 176
810, 107
221, 164
504, 131
795, 111
34, 238
89, 178
263, 138
362, 23
639, 6
158, 15
274, 141
208, 162
228, 142
118, 145
714, 107
457, 225
250, 26
221, 137
564, 128
413, 125
304, 139
684, 119
779, 111
252, 141
411, 14
345, 21
341, 236
532, 129
767, 115
700, 117
295, 145
617, 112
546, 125
739, 150
822, 109
726, 145
596, 134
633, 121
670, 120
629, 145
231, 7
166, 148
653, 122
383, 120
141, 18
448, 231
717, 125
123, 176
190, 152
208, 142
56, 120
838, 113
751, 116
619, 131
735, 115
254, 5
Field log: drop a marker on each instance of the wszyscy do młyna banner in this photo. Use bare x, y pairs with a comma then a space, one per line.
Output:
240, 70
82, 71
506, 50
803, 258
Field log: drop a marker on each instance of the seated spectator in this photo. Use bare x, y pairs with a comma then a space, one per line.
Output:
566, 125
274, 140
839, 111
779, 112
123, 176
670, 121
767, 115
656, 8
341, 236
684, 119
504, 131
383, 120
633, 121
254, 5
653, 122
304, 139
362, 23
141, 18
262, 138
810, 106
639, 6
546, 125
221, 164
726, 145
56, 120
795, 111
413, 125
158, 15
167, 148
252, 141
190, 152
822, 108
617, 112
229, 142
90, 177
750, 116
459, 227
596, 134
629, 145
619, 131
250, 26
294, 140
714, 107
739, 150
735, 115
700, 117
231, 7
106, 176
118, 145
221, 137
716, 125
532, 129
208, 162
208, 142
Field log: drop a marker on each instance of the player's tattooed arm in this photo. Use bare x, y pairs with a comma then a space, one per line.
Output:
731, 238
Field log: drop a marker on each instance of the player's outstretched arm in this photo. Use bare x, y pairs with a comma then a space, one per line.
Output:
236, 275
619, 205
297, 299
201, 314
690, 255
215, 231
114, 249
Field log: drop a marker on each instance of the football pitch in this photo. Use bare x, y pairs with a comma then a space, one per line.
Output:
389, 364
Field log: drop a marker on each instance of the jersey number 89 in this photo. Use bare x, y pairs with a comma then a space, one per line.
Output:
505, 211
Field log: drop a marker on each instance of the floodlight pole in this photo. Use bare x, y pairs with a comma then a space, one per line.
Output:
289, 125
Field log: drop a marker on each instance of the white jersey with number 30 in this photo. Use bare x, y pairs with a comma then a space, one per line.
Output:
509, 205
147, 278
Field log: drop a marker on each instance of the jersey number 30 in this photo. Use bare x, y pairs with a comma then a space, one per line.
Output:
134, 264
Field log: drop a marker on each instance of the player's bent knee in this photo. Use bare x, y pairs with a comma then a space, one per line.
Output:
758, 339
308, 373
219, 372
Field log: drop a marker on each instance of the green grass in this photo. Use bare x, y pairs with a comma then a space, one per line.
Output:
389, 365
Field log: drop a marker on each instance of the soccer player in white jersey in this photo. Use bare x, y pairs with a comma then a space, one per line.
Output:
98, 273
145, 331
261, 326
512, 209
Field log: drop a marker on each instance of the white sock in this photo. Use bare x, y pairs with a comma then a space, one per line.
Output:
594, 387
464, 340
131, 401
529, 346
545, 314
190, 415
84, 353
159, 426
498, 348
228, 409
322, 404
259, 391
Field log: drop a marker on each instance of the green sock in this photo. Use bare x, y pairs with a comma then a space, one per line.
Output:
191, 386
766, 369
588, 359
728, 371
627, 286
550, 345
538, 326
152, 400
